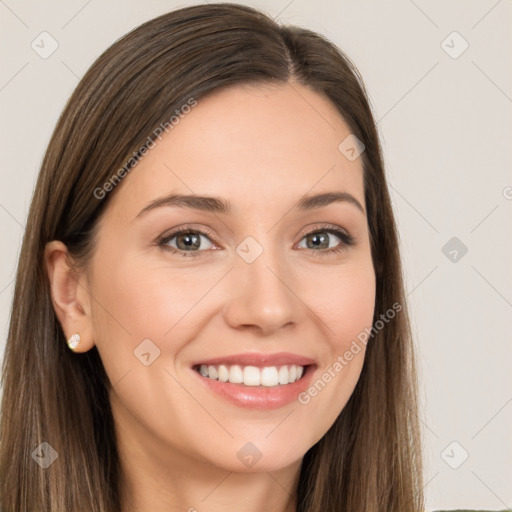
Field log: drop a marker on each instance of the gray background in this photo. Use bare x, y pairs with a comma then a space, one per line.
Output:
444, 119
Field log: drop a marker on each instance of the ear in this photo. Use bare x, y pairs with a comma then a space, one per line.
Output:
70, 295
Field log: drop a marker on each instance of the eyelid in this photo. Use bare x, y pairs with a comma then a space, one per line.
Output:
170, 234
324, 226
346, 238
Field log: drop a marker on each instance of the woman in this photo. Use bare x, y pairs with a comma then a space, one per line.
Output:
209, 311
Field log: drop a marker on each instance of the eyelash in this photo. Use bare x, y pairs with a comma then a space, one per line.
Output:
347, 240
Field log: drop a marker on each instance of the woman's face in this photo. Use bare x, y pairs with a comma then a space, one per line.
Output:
242, 288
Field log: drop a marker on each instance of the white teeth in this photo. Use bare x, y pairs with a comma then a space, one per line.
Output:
223, 373
283, 375
251, 376
236, 376
212, 372
269, 376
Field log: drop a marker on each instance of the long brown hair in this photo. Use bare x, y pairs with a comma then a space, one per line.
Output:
370, 459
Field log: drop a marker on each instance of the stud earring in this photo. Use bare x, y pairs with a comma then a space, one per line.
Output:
74, 341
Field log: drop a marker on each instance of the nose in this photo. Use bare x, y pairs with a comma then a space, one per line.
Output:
261, 295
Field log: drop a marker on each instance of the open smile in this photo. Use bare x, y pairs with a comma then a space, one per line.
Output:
257, 381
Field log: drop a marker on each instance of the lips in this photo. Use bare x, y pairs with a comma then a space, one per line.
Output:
262, 381
259, 360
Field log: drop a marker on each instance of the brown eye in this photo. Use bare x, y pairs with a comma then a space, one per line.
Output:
187, 240
317, 241
323, 240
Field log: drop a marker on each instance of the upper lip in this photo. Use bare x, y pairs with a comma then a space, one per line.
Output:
258, 359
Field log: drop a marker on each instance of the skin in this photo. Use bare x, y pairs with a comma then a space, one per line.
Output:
261, 148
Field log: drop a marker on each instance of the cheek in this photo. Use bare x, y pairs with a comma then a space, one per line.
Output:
137, 300
345, 306
353, 312
345, 302
141, 299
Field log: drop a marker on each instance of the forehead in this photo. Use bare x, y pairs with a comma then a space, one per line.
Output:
248, 143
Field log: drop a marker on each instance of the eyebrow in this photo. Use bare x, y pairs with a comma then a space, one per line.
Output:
218, 205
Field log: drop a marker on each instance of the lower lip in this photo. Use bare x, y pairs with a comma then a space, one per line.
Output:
260, 397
